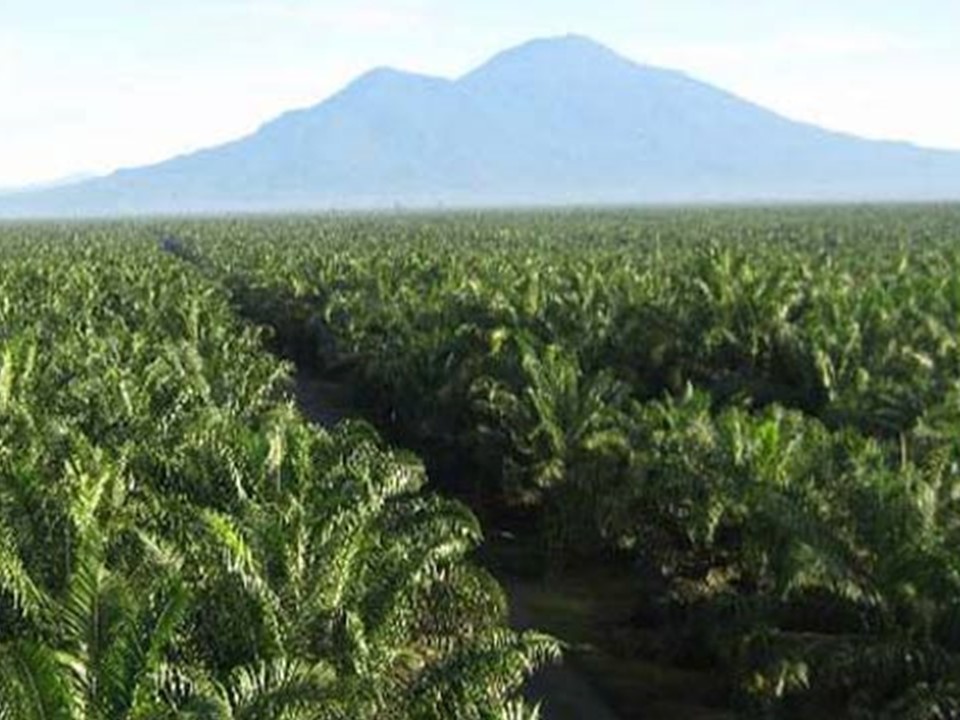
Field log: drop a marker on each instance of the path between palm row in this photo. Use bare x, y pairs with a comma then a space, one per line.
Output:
564, 693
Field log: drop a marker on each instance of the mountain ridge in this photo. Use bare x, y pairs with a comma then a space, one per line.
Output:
551, 121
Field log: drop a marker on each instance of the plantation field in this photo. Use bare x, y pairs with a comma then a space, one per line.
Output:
715, 450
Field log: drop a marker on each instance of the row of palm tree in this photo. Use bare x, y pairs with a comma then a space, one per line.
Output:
176, 541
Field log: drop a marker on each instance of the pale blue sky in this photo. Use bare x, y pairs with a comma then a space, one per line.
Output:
100, 84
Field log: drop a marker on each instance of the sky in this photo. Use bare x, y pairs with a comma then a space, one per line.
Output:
97, 85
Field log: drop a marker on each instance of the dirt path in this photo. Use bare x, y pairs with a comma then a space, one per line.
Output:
564, 693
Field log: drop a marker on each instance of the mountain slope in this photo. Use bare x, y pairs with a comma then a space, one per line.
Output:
557, 120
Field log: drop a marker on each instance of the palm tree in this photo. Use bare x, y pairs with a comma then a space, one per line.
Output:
363, 572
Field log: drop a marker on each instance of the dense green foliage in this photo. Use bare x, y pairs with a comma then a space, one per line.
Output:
759, 408
177, 541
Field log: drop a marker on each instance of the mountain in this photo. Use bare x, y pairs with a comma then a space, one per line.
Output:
562, 120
